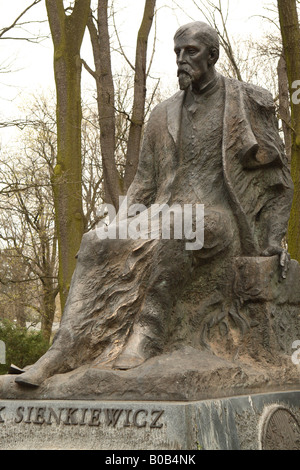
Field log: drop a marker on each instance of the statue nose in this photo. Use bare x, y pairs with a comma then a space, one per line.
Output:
181, 58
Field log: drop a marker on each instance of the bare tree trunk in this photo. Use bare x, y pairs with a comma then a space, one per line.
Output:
49, 295
67, 35
138, 111
106, 102
290, 32
113, 184
19, 305
48, 280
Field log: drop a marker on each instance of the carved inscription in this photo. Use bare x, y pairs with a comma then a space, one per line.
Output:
47, 415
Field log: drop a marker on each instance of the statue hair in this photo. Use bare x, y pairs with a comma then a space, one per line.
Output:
206, 34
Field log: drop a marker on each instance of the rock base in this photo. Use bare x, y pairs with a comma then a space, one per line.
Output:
183, 375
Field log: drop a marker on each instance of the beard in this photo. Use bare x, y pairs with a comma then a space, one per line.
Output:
184, 79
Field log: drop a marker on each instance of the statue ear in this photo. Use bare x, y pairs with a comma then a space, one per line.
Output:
213, 56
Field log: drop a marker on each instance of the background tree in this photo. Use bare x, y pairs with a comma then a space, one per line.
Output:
116, 182
67, 30
290, 31
28, 229
28, 241
14, 289
19, 22
18, 30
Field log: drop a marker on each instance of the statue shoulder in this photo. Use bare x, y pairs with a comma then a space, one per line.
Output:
164, 105
259, 95
254, 94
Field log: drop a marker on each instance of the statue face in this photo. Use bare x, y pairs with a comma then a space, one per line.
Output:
193, 59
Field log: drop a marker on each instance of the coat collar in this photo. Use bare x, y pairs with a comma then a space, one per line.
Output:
174, 110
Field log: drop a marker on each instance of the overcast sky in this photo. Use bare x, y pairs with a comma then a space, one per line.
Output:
32, 63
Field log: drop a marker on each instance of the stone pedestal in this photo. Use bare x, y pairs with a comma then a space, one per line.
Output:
250, 422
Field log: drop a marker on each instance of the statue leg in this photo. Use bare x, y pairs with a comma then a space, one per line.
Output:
98, 261
170, 271
51, 363
172, 268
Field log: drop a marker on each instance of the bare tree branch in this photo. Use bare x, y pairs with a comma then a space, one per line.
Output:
16, 21
121, 50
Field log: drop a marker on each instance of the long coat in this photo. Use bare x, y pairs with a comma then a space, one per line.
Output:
255, 168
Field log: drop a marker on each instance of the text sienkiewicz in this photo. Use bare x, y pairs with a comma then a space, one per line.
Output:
46, 415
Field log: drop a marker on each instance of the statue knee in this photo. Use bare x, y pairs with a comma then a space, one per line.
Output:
219, 233
89, 244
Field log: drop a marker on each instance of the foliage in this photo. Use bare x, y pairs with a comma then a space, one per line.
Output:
23, 347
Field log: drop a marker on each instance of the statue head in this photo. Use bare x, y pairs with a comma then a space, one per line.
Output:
196, 47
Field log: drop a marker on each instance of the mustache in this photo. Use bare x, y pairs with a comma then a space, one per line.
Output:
185, 70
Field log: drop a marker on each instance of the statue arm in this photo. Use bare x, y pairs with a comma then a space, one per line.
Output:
143, 188
277, 213
274, 215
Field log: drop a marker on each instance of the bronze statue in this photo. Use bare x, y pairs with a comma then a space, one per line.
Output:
215, 142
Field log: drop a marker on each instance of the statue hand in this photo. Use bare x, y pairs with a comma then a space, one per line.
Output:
284, 258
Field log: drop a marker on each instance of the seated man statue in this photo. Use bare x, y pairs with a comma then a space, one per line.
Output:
214, 143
